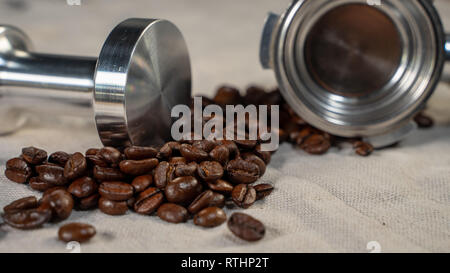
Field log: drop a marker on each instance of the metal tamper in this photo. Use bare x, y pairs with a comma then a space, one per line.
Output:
143, 70
354, 69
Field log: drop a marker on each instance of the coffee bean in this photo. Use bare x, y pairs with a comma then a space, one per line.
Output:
138, 167
111, 155
131, 202
107, 174
89, 202
164, 173
95, 160
178, 160
210, 171
218, 200
264, 155
204, 145
148, 201
59, 201
202, 201
172, 213
116, 191
192, 153
169, 149
24, 203
52, 174
27, 219
316, 144
78, 232
227, 95
231, 146
246, 144
39, 185
59, 158
363, 148
246, 227
423, 121
92, 151
210, 217
183, 190
221, 186
17, 170
83, 187
263, 190
142, 182
220, 154
34, 155
76, 166
186, 169
256, 160
242, 171
244, 195
112, 207
138, 153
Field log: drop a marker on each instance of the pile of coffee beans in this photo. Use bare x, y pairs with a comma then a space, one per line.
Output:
190, 179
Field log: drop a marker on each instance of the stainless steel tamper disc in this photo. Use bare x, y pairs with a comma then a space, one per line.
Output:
354, 69
143, 70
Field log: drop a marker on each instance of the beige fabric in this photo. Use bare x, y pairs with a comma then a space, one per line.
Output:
399, 197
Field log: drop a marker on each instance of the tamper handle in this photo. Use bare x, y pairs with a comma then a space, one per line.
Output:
447, 47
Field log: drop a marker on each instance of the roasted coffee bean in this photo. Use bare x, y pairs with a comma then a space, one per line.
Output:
89, 202
246, 227
148, 201
256, 160
78, 232
34, 155
218, 200
95, 160
263, 190
76, 166
142, 182
221, 186
92, 151
210, 217
52, 174
60, 201
220, 154
111, 155
27, 219
202, 201
138, 153
192, 153
363, 148
186, 169
246, 144
231, 146
183, 190
83, 187
131, 202
169, 149
423, 121
138, 167
254, 95
210, 171
112, 207
316, 144
205, 145
116, 191
37, 184
18, 170
173, 213
107, 174
264, 155
59, 158
25, 203
242, 171
178, 160
164, 173
227, 95
244, 195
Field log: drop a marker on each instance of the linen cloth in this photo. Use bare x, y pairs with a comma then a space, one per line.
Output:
398, 197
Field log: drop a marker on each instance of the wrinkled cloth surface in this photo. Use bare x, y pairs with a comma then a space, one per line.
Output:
397, 200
